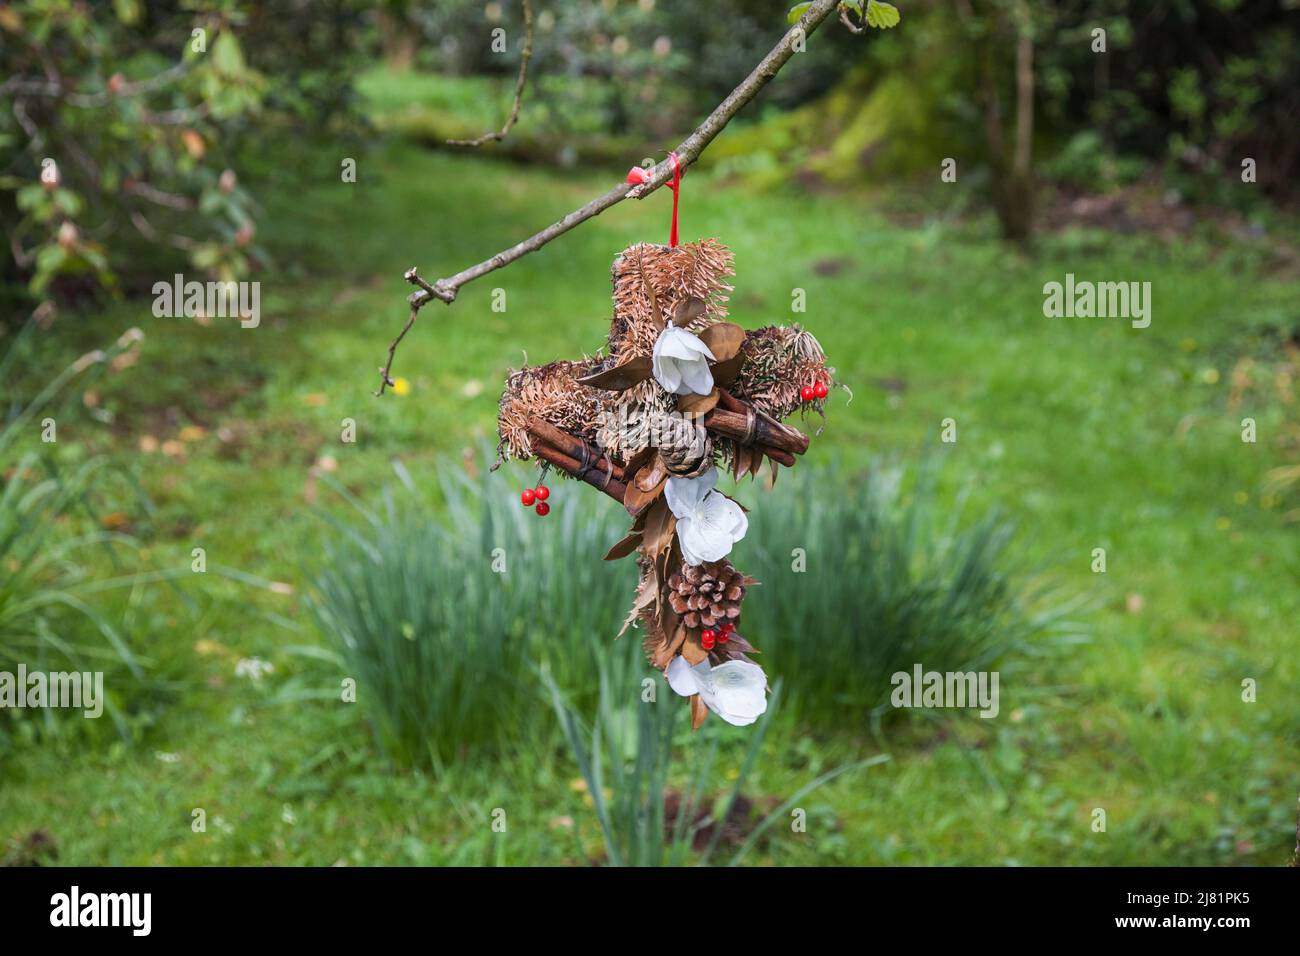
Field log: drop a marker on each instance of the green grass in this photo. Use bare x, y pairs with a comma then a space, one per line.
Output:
1086, 432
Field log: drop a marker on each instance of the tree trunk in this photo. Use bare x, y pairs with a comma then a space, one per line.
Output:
398, 39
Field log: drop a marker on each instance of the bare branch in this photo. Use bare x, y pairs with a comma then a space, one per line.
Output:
527, 53
158, 197
689, 150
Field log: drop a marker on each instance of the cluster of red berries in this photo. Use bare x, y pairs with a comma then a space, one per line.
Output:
809, 392
719, 635
537, 495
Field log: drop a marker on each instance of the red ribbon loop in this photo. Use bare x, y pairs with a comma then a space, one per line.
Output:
674, 186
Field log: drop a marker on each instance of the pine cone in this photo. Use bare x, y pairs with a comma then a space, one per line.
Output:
684, 445
707, 594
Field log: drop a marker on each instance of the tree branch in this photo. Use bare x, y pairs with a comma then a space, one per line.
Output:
498, 135
689, 150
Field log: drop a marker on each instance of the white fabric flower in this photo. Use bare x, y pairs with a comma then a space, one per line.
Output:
681, 363
708, 522
736, 691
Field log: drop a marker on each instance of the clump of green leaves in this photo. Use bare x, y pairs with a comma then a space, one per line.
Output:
440, 611
875, 13
121, 134
857, 587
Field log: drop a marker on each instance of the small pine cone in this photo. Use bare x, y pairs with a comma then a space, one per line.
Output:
707, 594
684, 445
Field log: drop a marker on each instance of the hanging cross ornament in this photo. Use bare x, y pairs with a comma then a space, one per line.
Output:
678, 395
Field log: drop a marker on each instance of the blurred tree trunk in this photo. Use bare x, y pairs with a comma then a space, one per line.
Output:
1010, 153
398, 36
1017, 183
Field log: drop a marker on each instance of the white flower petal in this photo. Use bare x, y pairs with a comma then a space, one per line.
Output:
666, 374
679, 344
681, 678
685, 495
702, 541
680, 362
725, 515
697, 378
739, 692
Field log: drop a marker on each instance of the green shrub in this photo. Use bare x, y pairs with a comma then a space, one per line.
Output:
50, 614
625, 756
888, 582
443, 646
439, 612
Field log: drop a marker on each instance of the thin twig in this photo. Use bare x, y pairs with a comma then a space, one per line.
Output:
498, 135
689, 150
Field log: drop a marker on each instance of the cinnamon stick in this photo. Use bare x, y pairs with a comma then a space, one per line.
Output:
573, 446
735, 425
545, 439
731, 403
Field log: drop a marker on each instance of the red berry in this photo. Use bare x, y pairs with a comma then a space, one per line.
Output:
706, 640
528, 497
543, 509
542, 492
820, 390
728, 626
708, 634
723, 636
806, 393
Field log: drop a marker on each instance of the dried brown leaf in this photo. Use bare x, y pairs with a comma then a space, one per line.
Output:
660, 525
698, 712
725, 373
636, 501
724, 340
688, 310
697, 404
693, 651
632, 372
652, 474
624, 547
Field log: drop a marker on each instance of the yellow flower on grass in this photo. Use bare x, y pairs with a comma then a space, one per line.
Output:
1223, 524
1210, 376
401, 386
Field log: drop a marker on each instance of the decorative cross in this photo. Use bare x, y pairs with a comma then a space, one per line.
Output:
678, 394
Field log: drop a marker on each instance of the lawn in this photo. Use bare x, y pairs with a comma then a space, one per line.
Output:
1087, 432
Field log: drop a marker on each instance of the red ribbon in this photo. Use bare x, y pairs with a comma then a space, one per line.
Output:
674, 186
638, 175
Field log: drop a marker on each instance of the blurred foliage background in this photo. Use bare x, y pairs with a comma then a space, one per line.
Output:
124, 126
179, 511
